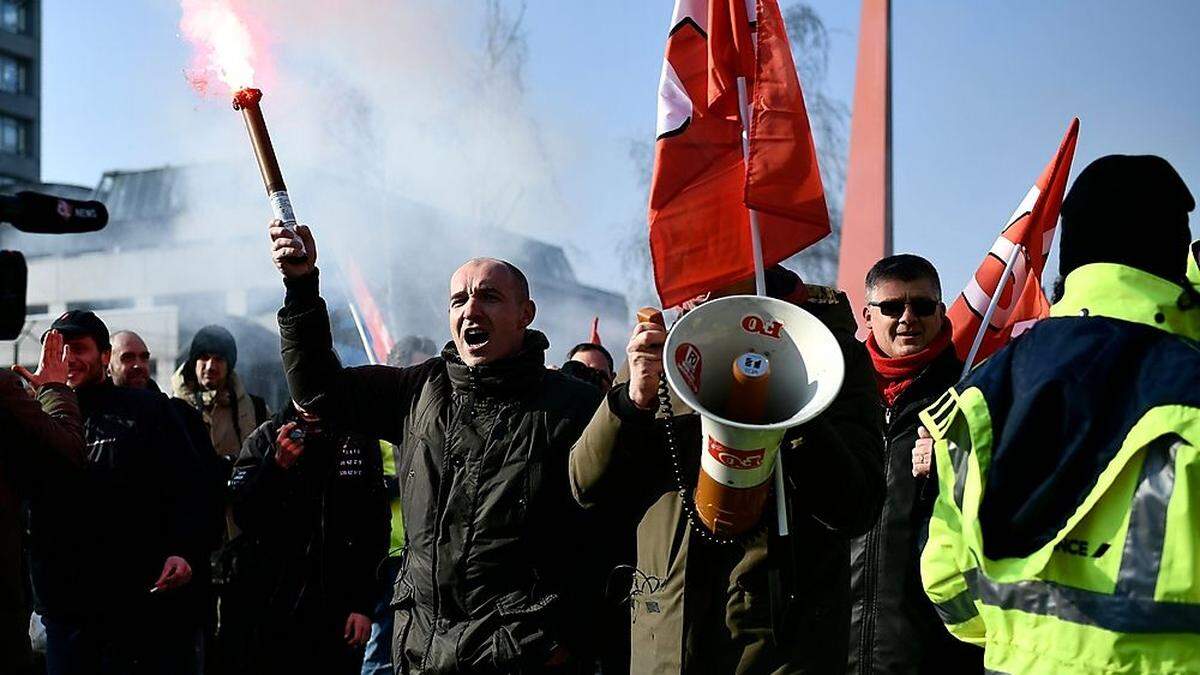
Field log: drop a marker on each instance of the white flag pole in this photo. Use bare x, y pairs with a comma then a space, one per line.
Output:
362, 334
760, 276
991, 309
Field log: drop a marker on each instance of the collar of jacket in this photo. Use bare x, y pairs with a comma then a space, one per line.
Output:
1129, 294
504, 378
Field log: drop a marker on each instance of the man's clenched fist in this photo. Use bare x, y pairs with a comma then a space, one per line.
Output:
645, 352
287, 246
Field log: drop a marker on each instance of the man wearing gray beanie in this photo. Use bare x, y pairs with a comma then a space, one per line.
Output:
1063, 538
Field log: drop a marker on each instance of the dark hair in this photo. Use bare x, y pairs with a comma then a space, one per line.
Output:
593, 347
903, 267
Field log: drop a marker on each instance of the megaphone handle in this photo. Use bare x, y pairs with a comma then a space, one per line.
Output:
780, 496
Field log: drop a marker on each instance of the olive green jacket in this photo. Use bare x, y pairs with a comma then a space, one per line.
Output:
699, 607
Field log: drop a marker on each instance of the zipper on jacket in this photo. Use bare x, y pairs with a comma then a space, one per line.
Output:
469, 399
866, 635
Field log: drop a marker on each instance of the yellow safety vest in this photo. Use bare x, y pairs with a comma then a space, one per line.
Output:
1116, 589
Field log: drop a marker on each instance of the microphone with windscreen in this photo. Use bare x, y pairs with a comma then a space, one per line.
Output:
38, 213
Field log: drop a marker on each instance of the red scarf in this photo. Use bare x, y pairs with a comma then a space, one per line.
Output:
894, 375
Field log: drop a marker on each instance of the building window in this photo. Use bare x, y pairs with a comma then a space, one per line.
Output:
14, 136
14, 16
14, 74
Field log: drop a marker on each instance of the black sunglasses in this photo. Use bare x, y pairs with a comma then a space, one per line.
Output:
895, 308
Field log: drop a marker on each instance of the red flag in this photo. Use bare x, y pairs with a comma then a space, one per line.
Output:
701, 188
1030, 230
381, 339
594, 338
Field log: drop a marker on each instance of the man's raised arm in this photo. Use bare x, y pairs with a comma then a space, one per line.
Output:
372, 400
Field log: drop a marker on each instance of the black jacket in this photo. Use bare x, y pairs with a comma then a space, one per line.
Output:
42, 442
320, 526
489, 580
99, 538
210, 488
894, 628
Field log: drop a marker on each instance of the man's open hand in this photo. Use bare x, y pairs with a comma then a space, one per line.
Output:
286, 246
52, 367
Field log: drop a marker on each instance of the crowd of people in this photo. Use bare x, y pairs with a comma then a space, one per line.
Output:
475, 510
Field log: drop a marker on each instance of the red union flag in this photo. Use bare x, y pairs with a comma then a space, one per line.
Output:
1029, 232
701, 187
364, 302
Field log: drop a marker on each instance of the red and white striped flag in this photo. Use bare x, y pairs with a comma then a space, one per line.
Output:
1029, 233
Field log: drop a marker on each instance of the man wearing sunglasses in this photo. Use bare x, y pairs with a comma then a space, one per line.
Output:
894, 628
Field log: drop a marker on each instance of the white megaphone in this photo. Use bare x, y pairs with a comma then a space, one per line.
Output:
752, 367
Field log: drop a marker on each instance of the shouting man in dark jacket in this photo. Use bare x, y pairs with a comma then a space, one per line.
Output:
312, 499
894, 628
490, 579
703, 607
110, 547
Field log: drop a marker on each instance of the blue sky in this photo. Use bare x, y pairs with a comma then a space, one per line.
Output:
983, 91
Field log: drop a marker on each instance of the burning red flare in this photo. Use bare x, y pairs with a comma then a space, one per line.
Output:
225, 48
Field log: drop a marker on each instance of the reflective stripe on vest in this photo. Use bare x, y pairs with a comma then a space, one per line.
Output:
1110, 612
1142, 558
1131, 607
958, 459
958, 609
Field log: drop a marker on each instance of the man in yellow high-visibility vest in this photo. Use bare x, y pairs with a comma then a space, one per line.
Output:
1065, 534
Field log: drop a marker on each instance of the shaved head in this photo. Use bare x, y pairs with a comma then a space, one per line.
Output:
518, 277
489, 310
130, 363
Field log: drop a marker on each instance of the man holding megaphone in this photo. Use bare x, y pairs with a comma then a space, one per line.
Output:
706, 597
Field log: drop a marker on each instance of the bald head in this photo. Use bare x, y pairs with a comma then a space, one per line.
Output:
489, 310
130, 363
519, 280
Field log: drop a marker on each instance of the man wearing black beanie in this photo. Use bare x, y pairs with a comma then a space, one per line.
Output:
207, 380
1130, 210
1063, 539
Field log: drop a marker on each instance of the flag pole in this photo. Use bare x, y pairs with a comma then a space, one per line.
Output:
760, 276
991, 309
362, 334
